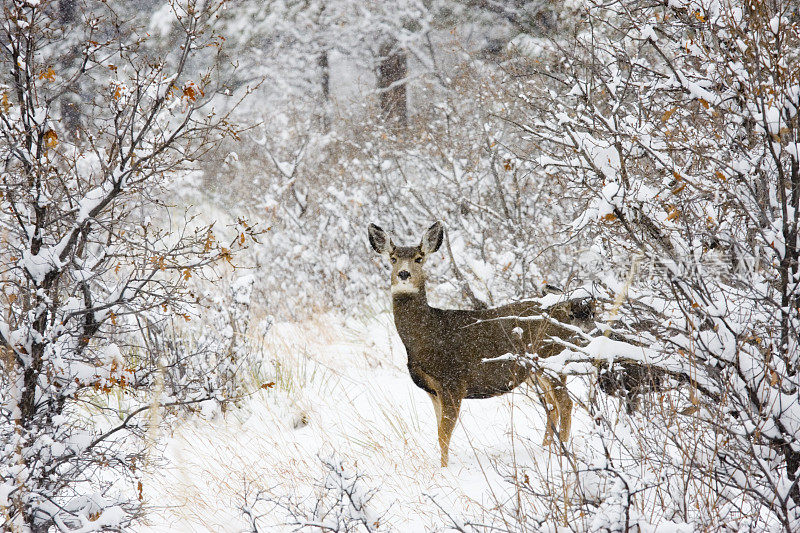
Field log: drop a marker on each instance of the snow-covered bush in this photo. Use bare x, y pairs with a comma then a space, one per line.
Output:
677, 124
340, 503
92, 130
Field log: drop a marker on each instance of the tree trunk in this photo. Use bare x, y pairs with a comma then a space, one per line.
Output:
70, 104
325, 74
392, 72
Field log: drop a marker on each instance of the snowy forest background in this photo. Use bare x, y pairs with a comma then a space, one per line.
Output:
195, 335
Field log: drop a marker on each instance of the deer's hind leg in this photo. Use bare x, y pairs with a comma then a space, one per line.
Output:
564, 403
558, 405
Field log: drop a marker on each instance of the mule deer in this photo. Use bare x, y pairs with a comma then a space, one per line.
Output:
456, 354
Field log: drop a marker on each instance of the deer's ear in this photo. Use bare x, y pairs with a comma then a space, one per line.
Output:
379, 240
432, 239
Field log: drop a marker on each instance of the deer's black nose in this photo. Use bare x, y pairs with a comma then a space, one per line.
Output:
404, 274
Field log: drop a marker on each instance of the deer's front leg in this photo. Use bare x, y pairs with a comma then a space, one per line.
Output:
450, 406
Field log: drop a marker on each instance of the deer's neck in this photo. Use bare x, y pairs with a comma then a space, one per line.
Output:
412, 317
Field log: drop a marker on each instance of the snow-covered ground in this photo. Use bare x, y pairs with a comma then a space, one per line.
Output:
344, 393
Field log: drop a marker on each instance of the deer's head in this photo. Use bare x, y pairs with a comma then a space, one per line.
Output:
407, 261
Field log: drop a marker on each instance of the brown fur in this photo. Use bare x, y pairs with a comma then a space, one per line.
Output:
447, 348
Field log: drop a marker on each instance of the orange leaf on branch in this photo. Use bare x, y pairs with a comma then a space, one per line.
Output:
192, 91
49, 75
50, 139
226, 255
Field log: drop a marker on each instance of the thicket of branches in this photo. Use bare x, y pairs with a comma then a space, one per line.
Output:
315, 183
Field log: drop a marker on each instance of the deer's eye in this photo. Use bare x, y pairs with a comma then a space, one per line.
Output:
418, 260
393, 260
